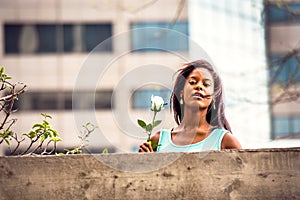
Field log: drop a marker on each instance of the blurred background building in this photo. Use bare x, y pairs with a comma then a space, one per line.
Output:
46, 44
283, 51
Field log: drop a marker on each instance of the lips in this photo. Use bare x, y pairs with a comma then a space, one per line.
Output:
200, 95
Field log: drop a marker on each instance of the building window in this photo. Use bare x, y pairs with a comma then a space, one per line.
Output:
90, 38
141, 99
160, 40
286, 127
52, 100
285, 71
53, 38
283, 12
86, 37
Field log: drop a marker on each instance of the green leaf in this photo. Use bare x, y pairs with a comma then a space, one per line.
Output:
149, 128
142, 123
67, 150
56, 139
46, 135
105, 151
76, 150
32, 134
7, 133
39, 130
156, 123
49, 131
2, 70
37, 126
46, 116
55, 134
47, 126
42, 138
87, 124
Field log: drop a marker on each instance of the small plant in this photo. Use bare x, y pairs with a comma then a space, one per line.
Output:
33, 142
42, 138
88, 128
42, 133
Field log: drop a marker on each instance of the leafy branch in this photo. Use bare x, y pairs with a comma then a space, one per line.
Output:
10, 94
42, 138
87, 129
41, 133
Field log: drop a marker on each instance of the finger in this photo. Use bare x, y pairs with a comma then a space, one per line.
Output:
149, 145
145, 147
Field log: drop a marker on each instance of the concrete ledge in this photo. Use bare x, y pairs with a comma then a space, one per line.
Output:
229, 174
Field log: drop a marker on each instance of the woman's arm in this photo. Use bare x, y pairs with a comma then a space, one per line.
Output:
146, 147
230, 142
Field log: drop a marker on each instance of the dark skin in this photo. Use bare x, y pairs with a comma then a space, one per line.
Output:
197, 95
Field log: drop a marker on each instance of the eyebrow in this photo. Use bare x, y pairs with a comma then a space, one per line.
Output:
205, 79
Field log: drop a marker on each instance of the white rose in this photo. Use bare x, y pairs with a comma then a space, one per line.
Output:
157, 103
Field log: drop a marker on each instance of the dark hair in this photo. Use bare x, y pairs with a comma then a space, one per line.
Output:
215, 117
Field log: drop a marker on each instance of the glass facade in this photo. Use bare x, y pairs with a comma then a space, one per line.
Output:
286, 126
159, 39
284, 70
53, 38
53, 100
141, 98
283, 12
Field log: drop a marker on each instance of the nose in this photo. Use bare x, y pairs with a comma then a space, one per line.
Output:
199, 86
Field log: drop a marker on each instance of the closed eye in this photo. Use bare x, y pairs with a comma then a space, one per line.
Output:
207, 83
192, 82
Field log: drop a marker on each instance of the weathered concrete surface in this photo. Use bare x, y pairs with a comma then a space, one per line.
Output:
246, 174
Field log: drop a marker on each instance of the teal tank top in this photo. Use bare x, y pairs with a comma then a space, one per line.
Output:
212, 142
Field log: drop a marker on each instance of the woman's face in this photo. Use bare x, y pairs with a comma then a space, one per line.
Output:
198, 89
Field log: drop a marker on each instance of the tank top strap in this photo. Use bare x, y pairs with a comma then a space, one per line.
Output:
214, 140
164, 138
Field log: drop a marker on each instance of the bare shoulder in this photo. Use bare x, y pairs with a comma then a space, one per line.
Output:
155, 137
229, 141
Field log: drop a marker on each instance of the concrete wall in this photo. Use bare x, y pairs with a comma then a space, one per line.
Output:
231, 174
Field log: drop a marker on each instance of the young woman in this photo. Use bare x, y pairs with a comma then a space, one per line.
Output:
198, 108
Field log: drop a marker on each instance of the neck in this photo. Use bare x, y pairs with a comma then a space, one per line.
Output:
195, 118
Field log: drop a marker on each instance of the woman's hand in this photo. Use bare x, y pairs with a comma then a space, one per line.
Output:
146, 147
